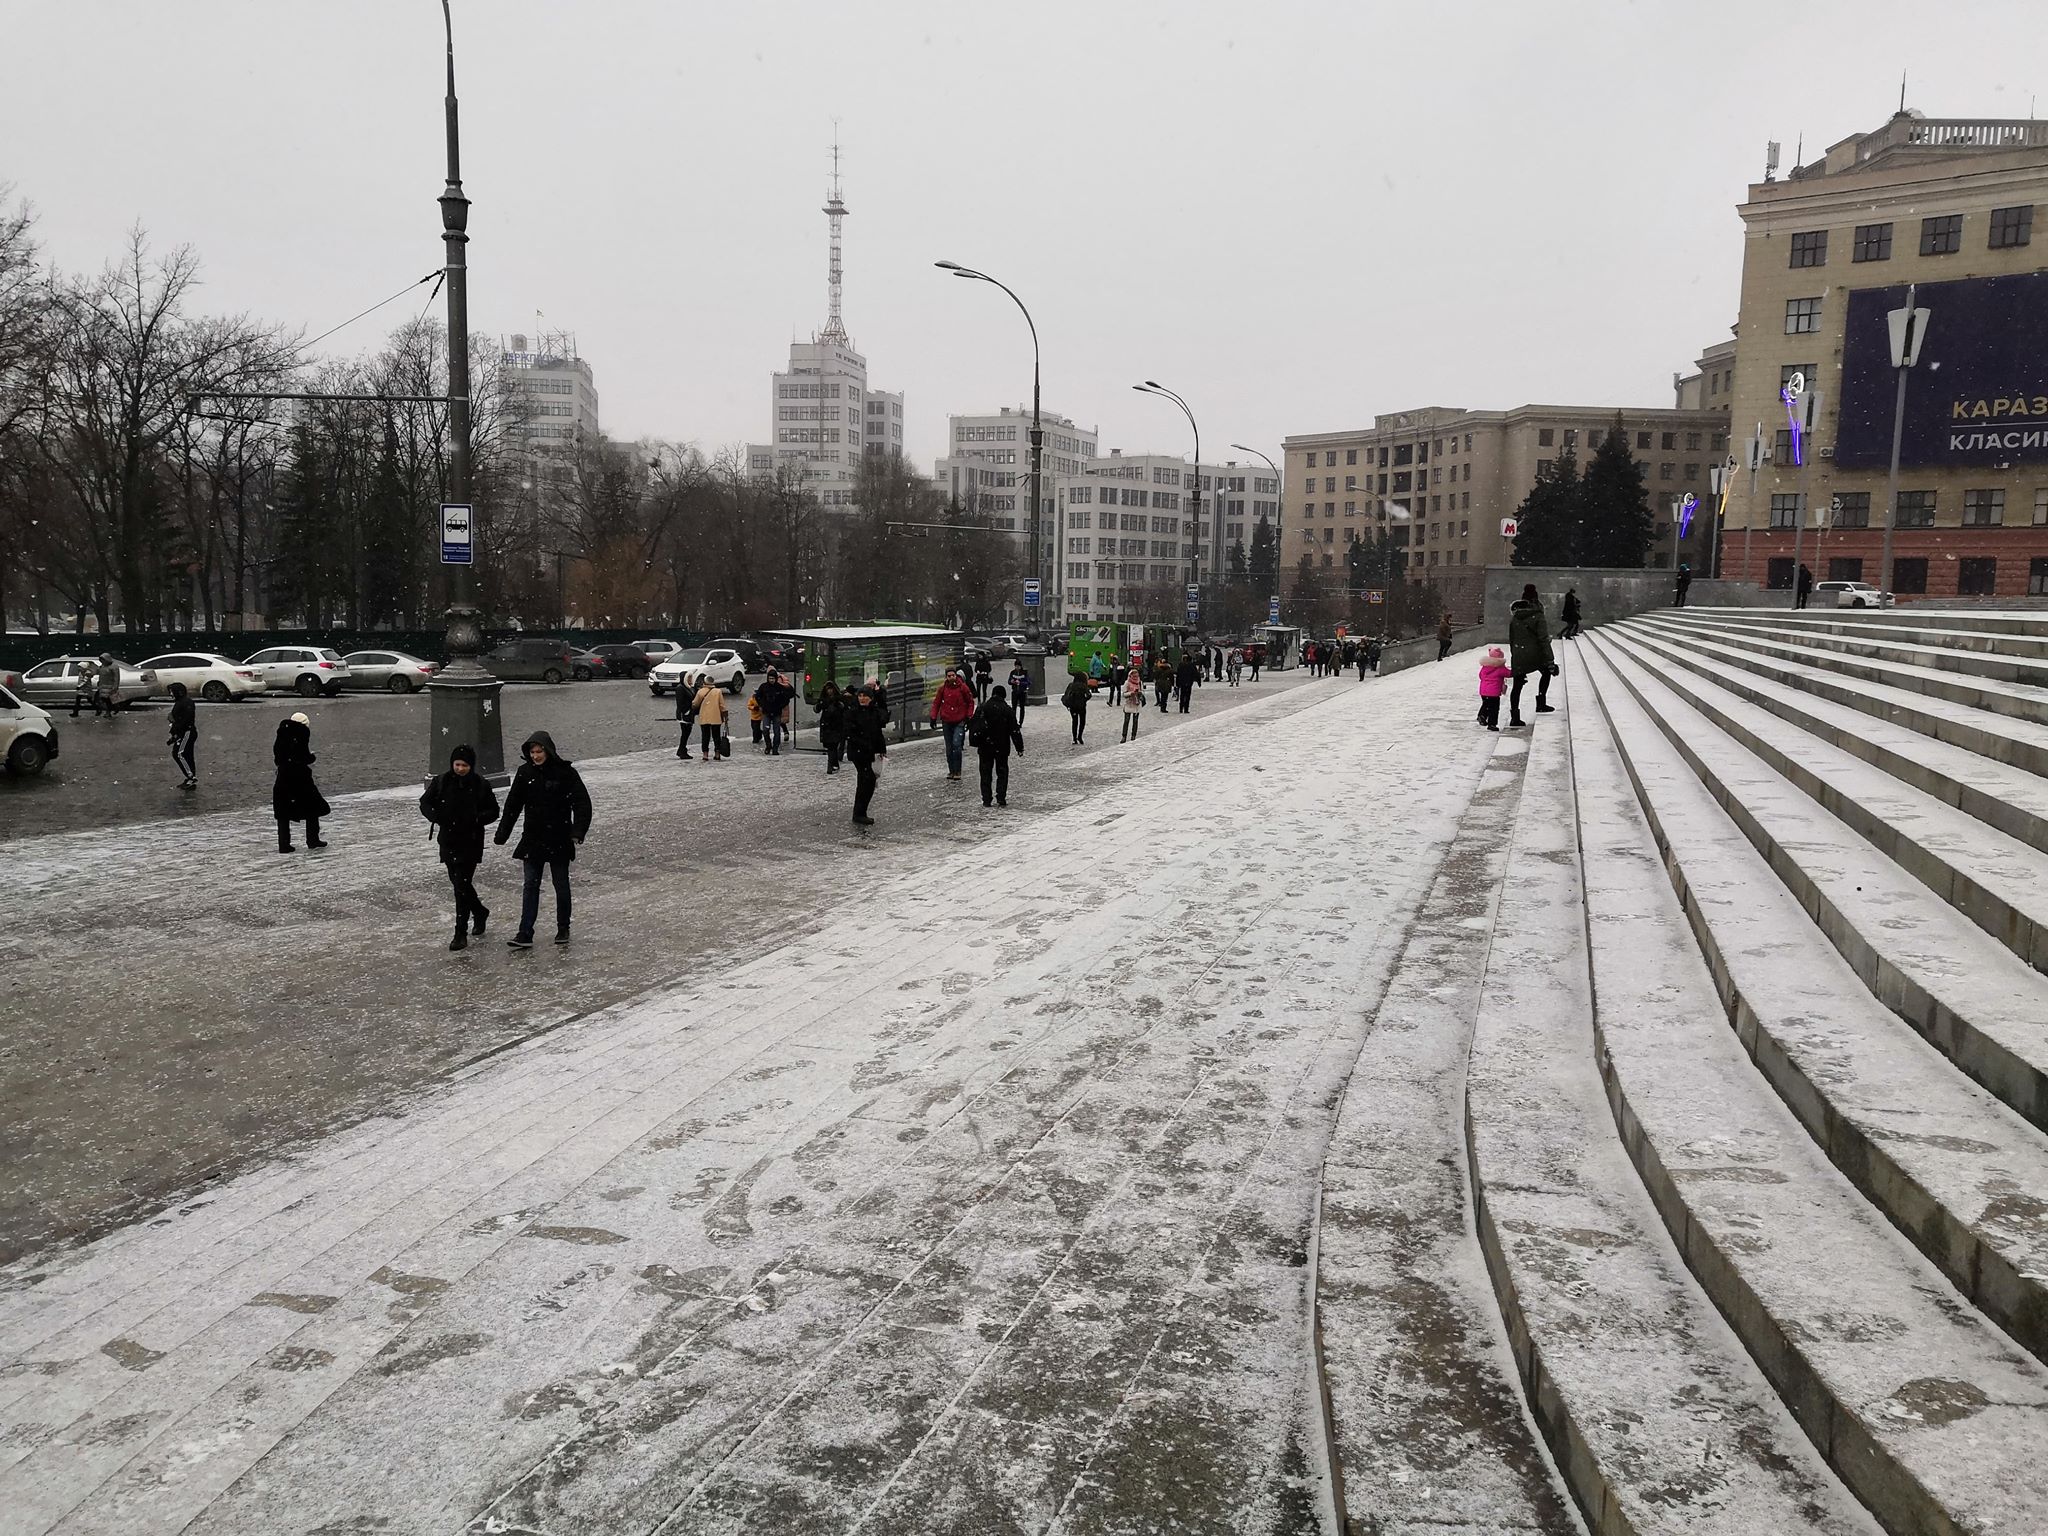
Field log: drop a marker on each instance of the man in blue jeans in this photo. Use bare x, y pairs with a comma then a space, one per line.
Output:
952, 708
775, 696
550, 793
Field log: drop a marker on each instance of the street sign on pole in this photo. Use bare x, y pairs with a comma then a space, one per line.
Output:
458, 534
1909, 329
1376, 595
1030, 591
1272, 610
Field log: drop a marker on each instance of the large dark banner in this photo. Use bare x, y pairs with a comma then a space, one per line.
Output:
1979, 396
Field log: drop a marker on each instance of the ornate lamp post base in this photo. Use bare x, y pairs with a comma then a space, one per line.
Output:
464, 700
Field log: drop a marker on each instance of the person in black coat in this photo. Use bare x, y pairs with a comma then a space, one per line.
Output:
775, 696
1185, 676
686, 716
832, 725
866, 740
994, 730
461, 804
184, 735
550, 794
294, 796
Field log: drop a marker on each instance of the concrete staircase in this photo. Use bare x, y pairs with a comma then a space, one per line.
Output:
1754, 1087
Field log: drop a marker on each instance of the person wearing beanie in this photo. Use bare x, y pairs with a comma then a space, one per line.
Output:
460, 804
549, 792
1493, 678
294, 796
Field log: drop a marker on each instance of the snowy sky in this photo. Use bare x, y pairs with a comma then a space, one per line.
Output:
1295, 213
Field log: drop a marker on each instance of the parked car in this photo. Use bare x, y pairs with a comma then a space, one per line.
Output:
531, 660
307, 670
1851, 594
752, 657
628, 660
28, 737
586, 666
721, 663
786, 655
656, 651
206, 675
392, 671
53, 683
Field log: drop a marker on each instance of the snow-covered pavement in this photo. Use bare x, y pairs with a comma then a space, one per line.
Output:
908, 1222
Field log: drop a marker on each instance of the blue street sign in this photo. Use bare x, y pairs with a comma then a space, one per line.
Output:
458, 534
1272, 610
1031, 592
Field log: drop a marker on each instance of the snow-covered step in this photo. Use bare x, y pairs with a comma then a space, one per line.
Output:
1900, 626
1995, 656
1997, 881
2019, 743
1656, 1415
1972, 997
1428, 1428
2021, 701
2008, 798
1922, 1407
1951, 1166
2021, 623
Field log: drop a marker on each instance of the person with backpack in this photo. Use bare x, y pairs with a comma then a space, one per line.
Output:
548, 791
708, 706
1076, 699
459, 805
184, 736
866, 744
952, 707
832, 725
994, 730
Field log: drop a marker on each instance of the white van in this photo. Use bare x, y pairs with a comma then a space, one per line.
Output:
27, 738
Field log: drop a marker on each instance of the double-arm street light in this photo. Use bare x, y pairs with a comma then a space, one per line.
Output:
1154, 387
1031, 617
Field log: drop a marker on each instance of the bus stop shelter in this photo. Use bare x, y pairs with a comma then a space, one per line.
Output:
1282, 643
908, 660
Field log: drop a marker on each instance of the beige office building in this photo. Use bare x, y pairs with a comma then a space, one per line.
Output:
1442, 480
1948, 205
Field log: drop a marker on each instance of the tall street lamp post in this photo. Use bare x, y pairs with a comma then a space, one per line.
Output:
1031, 617
1154, 387
1909, 329
463, 695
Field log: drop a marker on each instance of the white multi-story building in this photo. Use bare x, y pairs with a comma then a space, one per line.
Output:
557, 389
987, 466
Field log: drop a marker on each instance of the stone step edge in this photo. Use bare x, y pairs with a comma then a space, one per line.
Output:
1597, 1454
1978, 731
1893, 621
1885, 1470
1992, 904
1965, 1250
1997, 666
2020, 1083
1513, 1447
1798, 707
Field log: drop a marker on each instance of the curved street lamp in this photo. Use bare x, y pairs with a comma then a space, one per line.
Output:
1037, 431
1154, 387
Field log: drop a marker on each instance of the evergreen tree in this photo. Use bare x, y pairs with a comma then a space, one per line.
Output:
1550, 516
1265, 561
1616, 527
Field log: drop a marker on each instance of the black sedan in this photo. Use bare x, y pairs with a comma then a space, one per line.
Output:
624, 661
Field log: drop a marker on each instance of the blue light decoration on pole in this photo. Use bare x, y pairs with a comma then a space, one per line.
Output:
1794, 388
1686, 509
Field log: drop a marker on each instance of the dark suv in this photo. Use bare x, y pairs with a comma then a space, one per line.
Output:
545, 661
750, 653
624, 660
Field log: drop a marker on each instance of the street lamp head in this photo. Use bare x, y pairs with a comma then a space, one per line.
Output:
949, 266
1154, 384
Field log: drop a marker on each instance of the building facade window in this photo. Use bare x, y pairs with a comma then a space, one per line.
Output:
1810, 249
1845, 568
1851, 509
2012, 226
2041, 507
1941, 235
1802, 316
1350, 455
1916, 510
1873, 243
2037, 576
1642, 440
1909, 576
1330, 459
1804, 372
1546, 437
1785, 510
1976, 576
1666, 469
1983, 509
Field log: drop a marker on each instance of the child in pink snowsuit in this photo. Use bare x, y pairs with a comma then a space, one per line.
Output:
1493, 679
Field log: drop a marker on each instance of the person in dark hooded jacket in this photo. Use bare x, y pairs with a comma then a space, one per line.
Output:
832, 725
994, 732
184, 735
294, 796
549, 792
461, 804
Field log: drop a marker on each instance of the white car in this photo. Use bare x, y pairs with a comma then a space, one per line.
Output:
55, 682
658, 651
28, 737
392, 671
206, 675
307, 670
1851, 594
721, 664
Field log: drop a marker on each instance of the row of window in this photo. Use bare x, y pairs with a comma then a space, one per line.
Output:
1982, 508
1402, 453
1976, 575
816, 413
1546, 437
1940, 235
804, 391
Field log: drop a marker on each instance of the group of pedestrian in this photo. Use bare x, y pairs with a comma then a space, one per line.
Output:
1529, 653
97, 686
1333, 658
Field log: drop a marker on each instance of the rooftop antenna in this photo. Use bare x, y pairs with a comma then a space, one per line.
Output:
835, 211
1902, 90
1770, 160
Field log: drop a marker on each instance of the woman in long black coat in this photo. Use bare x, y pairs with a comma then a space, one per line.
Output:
832, 725
294, 796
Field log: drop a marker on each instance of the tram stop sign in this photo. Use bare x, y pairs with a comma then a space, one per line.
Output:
1031, 592
458, 535
1272, 610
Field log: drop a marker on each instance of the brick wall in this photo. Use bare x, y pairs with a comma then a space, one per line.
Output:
1944, 550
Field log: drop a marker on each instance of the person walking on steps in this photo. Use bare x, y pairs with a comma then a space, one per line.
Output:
707, 705
1569, 613
1684, 584
952, 707
1133, 702
294, 796
686, 716
1493, 681
1185, 677
1019, 682
994, 731
548, 791
866, 743
1446, 632
1529, 651
1076, 699
460, 804
832, 725
184, 736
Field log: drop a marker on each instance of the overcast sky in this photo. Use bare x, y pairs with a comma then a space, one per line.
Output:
1295, 214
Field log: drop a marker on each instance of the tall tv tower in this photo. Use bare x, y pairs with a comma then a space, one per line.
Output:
835, 210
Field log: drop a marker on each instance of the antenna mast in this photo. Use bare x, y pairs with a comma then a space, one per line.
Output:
835, 211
